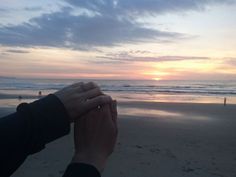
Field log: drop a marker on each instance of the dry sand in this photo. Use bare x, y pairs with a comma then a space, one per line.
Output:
157, 140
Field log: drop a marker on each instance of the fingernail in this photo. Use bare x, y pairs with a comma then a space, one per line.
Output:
114, 106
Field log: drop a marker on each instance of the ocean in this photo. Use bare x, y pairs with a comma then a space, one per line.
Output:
124, 90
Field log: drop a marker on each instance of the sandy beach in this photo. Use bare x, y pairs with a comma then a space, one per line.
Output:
156, 139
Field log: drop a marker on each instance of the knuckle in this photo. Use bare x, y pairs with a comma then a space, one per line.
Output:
109, 98
91, 83
79, 83
99, 90
94, 91
95, 85
102, 99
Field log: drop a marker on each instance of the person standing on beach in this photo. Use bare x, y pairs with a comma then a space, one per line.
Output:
36, 124
19, 97
225, 101
40, 94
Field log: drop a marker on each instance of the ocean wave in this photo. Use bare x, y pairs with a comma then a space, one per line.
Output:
148, 87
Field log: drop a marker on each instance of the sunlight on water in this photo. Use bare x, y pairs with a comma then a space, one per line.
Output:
124, 90
154, 113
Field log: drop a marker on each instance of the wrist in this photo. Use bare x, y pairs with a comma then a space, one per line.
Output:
96, 161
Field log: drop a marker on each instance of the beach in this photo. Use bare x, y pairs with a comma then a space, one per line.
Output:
156, 139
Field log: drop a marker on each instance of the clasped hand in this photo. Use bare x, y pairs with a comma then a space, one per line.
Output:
95, 122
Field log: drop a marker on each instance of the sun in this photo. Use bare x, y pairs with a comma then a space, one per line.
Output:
157, 79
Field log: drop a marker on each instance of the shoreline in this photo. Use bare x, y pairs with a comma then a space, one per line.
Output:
16, 96
156, 139
129, 97
177, 107
194, 108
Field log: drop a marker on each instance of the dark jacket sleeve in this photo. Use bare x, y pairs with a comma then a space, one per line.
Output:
29, 129
81, 170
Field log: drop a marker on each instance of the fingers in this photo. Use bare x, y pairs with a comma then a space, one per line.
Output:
83, 87
97, 101
114, 114
88, 86
78, 84
113, 107
92, 93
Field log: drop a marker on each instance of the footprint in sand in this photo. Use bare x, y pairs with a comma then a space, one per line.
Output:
155, 150
187, 169
218, 174
145, 163
170, 154
152, 148
61, 172
139, 147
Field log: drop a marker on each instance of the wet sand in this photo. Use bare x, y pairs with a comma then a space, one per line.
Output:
157, 139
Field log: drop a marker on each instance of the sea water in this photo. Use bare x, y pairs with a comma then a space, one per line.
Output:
125, 90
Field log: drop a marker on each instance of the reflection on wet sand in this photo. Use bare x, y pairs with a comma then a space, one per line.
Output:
155, 113
147, 112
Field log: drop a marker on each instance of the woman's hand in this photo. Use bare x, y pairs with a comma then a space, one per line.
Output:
95, 136
79, 98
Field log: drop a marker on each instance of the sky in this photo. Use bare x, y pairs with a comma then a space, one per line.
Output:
118, 39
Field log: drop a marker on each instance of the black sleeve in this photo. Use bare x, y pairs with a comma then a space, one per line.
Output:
81, 170
29, 129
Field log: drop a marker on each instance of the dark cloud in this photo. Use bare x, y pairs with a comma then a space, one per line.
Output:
3, 10
35, 8
3, 13
2, 54
127, 57
120, 7
30, 9
62, 29
16, 51
139, 52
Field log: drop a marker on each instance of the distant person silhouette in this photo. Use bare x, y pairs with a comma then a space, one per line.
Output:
225, 101
19, 97
40, 94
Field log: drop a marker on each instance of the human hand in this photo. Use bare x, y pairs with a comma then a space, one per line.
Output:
79, 98
95, 136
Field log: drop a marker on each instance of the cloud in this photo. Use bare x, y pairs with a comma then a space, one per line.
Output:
119, 7
35, 8
3, 10
62, 29
16, 51
230, 61
199, 75
3, 54
112, 23
127, 57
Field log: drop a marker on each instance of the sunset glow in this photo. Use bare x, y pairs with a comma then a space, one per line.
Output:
60, 40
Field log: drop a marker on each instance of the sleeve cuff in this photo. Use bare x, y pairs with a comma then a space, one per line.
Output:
81, 169
49, 120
